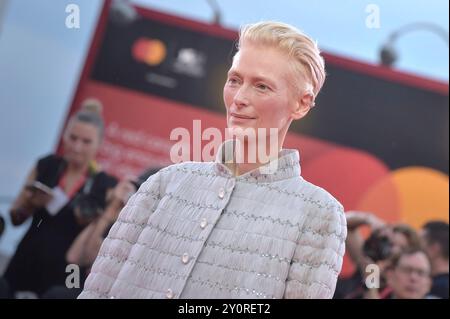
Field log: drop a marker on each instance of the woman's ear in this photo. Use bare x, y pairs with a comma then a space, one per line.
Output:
303, 105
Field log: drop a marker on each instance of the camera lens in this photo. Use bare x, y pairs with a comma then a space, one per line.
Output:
377, 247
87, 206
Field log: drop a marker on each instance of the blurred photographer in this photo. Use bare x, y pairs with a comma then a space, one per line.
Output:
61, 195
383, 242
85, 248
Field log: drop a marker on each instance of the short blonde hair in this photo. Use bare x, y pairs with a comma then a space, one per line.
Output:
308, 63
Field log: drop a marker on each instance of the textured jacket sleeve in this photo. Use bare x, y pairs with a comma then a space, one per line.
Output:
321, 247
121, 238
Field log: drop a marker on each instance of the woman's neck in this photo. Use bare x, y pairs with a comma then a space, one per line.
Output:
241, 164
242, 168
75, 169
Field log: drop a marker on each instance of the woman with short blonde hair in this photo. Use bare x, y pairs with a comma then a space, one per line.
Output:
232, 229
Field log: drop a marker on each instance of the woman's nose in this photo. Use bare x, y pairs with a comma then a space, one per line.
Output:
241, 98
78, 146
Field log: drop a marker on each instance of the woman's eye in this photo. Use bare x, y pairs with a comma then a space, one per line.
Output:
232, 81
262, 87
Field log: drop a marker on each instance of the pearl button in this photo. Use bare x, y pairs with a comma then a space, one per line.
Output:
169, 294
203, 223
221, 193
185, 258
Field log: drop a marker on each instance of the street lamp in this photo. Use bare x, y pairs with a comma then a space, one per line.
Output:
388, 54
122, 12
217, 19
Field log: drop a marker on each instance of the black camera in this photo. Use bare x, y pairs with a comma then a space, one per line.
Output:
377, 246
88, 204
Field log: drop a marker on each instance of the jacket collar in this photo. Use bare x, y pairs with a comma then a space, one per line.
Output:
284, 167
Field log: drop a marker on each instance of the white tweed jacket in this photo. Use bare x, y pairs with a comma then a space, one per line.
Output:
193, 230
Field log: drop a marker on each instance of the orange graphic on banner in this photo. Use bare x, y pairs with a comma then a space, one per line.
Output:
149, 51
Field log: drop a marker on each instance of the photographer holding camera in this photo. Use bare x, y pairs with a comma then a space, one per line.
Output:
384, 242
62, 194
85, 248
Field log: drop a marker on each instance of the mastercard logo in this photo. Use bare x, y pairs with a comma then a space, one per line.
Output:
149, 51
360, 181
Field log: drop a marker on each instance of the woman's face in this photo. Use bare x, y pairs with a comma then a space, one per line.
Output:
81, 142
260, 90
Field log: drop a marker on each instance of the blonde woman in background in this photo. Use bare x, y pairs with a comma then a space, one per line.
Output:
62, 194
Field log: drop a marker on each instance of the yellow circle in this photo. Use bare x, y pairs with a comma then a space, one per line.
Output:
423, 195
155, 52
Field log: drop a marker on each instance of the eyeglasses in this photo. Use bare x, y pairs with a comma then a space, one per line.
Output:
407, 270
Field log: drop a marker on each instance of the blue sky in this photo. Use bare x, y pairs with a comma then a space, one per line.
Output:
339, 26
41, 59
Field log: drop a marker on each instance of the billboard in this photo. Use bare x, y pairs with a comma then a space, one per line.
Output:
377, 140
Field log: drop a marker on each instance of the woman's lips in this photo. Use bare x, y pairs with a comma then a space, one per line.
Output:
242, 116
